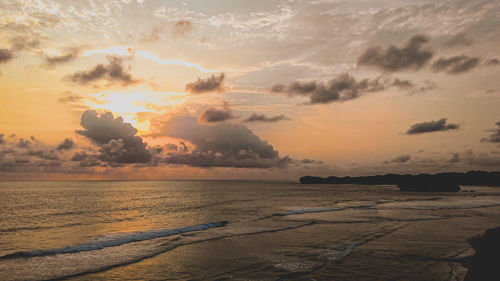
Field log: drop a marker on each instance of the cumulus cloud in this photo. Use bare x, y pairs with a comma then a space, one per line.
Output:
263, 118
220, 145
214, 115
459, 39
112, 72
494, 137
66, 144
70, 55
432, 126
116, 139
455, 64
410, 56
210, 84
339, 89
182, 27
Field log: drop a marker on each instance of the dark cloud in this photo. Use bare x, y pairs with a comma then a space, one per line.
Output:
495, 135
431, 126
341, 88
22, 155
403, 158
210, 84
214, 115
403, 84
494, 61
263, 118
456, 64
459, 39
66, 144
116, 139
410, 56
412, 87
24, 143
182, 27
70, 55
112, 72
6, 55
220, 145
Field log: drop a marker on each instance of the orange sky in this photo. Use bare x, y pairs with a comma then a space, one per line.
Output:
320, 79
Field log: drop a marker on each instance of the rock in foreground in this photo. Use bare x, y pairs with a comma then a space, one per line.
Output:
485, 264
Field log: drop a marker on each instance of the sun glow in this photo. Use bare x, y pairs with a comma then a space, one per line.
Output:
130, 105
126, 51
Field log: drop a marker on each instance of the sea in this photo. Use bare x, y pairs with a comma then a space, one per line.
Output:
237, 230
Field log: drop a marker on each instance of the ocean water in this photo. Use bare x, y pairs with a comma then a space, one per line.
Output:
236, 230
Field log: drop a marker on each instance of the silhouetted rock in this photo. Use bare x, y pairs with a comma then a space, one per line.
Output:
429, 186
448, 182
485, 264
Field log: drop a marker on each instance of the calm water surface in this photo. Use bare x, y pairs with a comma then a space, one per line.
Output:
236, 230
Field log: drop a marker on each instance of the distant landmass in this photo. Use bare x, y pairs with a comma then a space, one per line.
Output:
442, 182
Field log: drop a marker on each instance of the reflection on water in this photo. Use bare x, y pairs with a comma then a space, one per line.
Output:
235, 230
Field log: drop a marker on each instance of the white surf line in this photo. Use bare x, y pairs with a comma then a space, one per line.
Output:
319, 210
115, 240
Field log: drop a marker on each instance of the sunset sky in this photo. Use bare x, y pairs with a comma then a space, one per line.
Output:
237, 89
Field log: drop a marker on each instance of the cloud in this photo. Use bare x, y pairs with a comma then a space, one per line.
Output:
5, 55
70, 55
431, 126
69, 98
66, 144
403, 84
210, 84
394, 58
412, 87
214, 115
339, 89
20, 43
182, 27
116, 139
456, 64
112, 72
459, 39
495, 135
22, 155
263, 118
403, 158
220, 145
494, 61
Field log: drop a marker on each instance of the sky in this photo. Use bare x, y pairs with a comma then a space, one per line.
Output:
235, 89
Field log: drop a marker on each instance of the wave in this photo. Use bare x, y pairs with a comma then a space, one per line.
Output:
115, 240
23, 228
319, 210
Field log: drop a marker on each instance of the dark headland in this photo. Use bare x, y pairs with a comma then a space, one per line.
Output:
442, 182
